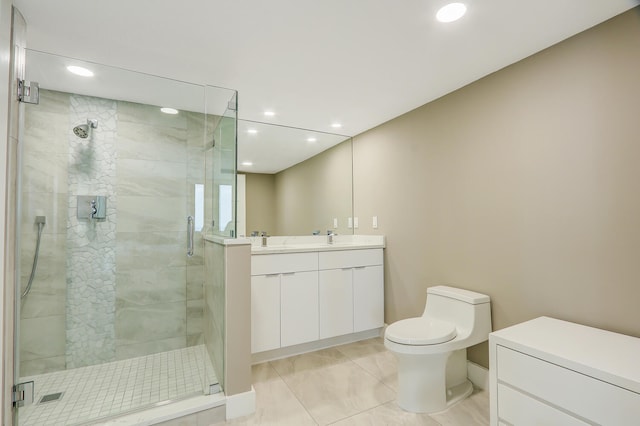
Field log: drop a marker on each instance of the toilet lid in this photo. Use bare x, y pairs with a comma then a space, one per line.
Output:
420, 331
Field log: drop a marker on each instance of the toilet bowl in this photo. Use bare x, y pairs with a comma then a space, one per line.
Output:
432, 349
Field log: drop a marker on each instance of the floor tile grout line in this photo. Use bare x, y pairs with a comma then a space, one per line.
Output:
352, 362
375, 378
358, 413
293, 393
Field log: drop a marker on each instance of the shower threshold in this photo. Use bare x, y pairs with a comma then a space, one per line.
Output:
165, 380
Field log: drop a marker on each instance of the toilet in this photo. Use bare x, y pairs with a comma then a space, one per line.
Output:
432, 349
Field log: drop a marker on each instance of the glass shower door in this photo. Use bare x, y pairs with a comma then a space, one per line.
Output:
222, 171
113, 319
219, 201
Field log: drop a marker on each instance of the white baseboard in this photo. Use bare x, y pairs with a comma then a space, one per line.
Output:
315, 345
241, 404
478, 375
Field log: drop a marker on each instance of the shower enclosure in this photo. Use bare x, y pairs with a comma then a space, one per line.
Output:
122, 174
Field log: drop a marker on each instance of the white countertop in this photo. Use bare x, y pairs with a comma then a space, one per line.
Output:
226, 241
604, 355
301, 244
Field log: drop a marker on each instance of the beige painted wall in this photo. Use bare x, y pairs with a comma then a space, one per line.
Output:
310, 194
260, 203
522, 185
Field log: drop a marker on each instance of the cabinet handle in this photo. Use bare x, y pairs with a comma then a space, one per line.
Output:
272, 275
288, 273
347, 269
360, 267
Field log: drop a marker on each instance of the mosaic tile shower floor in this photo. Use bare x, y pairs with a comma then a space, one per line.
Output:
109, 389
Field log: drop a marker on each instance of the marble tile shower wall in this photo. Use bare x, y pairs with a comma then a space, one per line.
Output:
91, 243
44, 192
155, 310
157, 160
160, 158
214, 305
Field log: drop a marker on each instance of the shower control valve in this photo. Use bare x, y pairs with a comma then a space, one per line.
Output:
94, 209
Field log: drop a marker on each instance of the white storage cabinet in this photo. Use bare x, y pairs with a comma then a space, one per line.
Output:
552, 372
284, 300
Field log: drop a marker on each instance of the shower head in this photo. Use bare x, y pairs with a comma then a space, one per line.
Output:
83, 130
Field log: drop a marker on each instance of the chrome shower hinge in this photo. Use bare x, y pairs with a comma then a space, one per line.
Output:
23, 394
28, 92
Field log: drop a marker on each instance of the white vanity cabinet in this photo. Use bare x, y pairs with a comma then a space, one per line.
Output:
351, 291
305, 297
284, 300
552, 372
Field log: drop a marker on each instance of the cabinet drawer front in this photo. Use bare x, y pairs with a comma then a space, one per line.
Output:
579, 394
278, 263
350, 258
519, 409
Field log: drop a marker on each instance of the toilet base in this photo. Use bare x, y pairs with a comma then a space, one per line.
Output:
423, 381
459, 392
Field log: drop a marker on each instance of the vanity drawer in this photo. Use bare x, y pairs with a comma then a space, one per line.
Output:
577, 393
282, 263
519, 409
350, 258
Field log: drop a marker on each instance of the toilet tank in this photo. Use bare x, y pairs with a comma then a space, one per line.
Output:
468, 310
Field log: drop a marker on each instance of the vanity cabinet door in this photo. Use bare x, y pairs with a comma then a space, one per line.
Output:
299, 307
368, 298
336, 302
265, 312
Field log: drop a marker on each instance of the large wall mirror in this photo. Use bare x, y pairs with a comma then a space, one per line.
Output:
296, 181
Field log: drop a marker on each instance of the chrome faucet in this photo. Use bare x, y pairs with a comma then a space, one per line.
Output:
264, 236
330, 235
93, 209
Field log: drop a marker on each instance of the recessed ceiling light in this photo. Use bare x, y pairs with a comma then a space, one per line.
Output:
311, 139
336, 125
169, 110
80, 71
247, 163
252, 131
269, 113
451, 12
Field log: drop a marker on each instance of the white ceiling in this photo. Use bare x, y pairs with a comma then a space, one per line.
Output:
358, 62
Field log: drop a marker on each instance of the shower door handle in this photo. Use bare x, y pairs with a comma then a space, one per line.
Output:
190, 230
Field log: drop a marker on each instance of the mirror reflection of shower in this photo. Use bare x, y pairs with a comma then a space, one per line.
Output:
84, 130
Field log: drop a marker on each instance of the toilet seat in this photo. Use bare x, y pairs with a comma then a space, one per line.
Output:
420, 331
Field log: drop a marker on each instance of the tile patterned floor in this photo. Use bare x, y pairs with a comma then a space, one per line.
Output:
112, 388
349, 385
